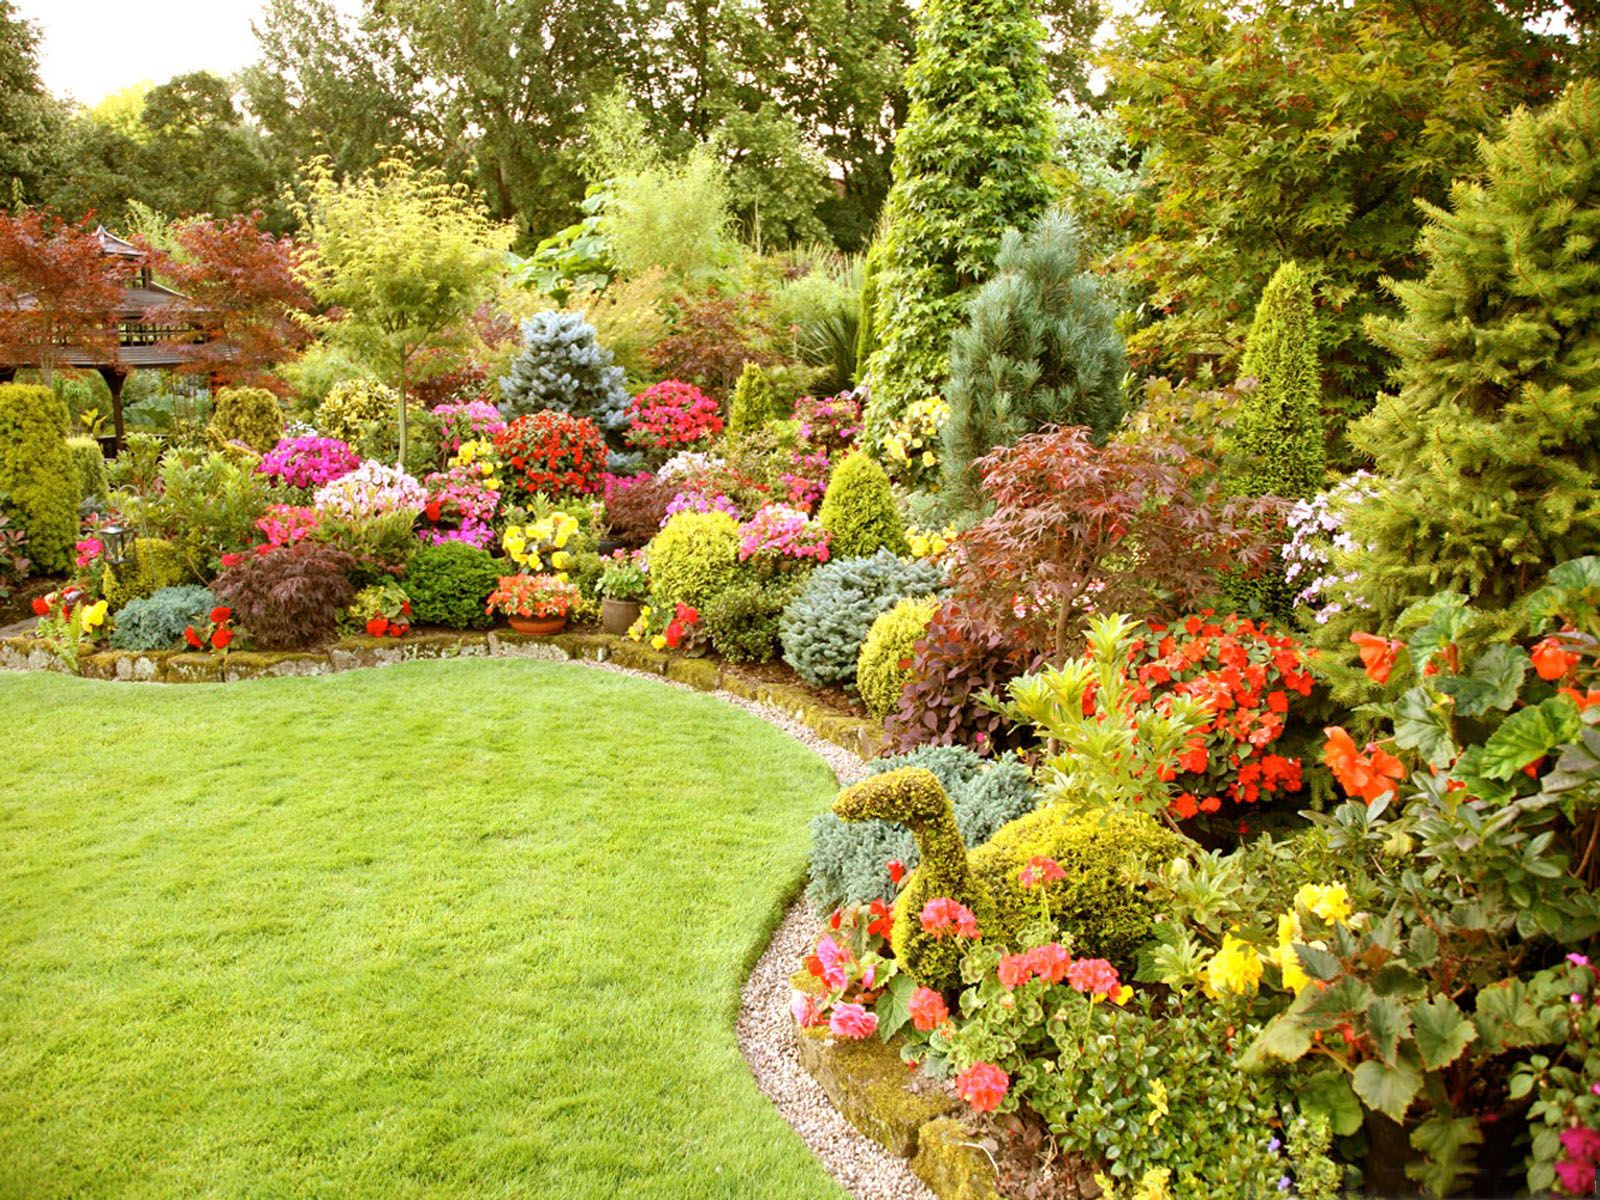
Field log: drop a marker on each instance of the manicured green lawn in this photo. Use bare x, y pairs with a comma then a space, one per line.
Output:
449, 929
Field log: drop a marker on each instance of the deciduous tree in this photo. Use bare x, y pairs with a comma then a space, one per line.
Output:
58, 289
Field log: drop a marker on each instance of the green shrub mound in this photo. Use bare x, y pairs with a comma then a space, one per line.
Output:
824, 626
742, 622
914, 797
353, 406
153, 564
884, 666
1040, 347
251, 416
694, 559
1100, 905
89, 468
755, 401
37, 476
449, 585
859, 512
157, 622
849, 860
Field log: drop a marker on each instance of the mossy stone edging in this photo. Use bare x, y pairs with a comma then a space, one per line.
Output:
861, 737
869, 1085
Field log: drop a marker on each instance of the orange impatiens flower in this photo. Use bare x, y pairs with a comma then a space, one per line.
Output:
1367, 775
1377, 655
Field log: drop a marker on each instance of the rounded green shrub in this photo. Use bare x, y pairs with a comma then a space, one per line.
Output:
352, 406
153, 564
36, 474
251, 416
824, 626
1100, 905
742, 622
449, 585
884, 666
858, 510
755, 401
914, 797
850, 860
89, 468
157, 621
694, 559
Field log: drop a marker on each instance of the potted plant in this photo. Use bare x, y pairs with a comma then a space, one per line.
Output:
622, 586
535, 604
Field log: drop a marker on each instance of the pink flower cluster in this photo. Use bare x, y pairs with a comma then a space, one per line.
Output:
944, 917
779, 532
830, 424
88, 550
474, 421
808, 482
672, 413
983, 1085
371, 490
286, 524
700, 499
618, 485
1580, 1156
309, 462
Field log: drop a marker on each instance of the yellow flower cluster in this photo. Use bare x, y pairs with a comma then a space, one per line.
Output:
912, 441
528, 545
1330, 901
641, 626
1234, 970
1154, 1184
93, 616
480, 456
930, 543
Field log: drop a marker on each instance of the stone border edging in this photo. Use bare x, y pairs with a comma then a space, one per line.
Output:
863, 738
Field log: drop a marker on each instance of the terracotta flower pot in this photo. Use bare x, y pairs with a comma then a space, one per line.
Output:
538, 626
618, 616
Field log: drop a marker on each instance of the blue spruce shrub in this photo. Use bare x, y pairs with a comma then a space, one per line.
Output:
157, 621
824, 626
849, 859
563, 366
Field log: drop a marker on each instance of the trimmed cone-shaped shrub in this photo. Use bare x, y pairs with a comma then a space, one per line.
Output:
914, 797
858, 511
1278, 437
884, 668
251, 416
694, 559
1487, 459
89, 465
38, 484
755, 400
968, 165
1040, 347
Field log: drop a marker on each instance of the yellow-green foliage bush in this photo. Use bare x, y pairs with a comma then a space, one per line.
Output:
755, 400
36, 473
858, 511
89, 467
1101, 905
153, 564
694, 559
885, 662
914, 797
248, 415
352, 406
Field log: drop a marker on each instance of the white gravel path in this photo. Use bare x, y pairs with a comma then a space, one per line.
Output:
766, 1030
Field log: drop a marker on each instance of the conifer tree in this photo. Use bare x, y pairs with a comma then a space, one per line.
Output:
968, 164
1488, 456
1278, 439
1040, 348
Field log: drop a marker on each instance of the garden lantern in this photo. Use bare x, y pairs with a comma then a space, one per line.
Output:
114, 539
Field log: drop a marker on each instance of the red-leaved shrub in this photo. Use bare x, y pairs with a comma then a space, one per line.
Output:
554, 453
289, 596
636, 507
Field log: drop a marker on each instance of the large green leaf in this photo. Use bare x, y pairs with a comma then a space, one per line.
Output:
1420, 725
1387, 1023
1319, 964
893, 1007
1529, 735
1493, 683
1442, 1031
1284, 1039
1444, 1141
1329, 1093
1578, 573
1387, 1089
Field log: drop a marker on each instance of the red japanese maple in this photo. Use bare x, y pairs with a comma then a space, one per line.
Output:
58, 290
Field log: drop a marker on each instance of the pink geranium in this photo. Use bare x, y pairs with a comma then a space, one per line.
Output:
1094, 977
983, 1085
942, 916
927, 1008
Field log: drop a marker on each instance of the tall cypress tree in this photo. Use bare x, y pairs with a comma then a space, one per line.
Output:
1040, 347
1279, 436
1488, 456
968, 164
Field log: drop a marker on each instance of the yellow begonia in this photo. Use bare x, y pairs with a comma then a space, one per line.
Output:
659, 642
94, 615
1330, 901
561, 560
1235, 969
1294, 976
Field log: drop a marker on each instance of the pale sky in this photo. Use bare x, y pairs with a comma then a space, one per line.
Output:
91, 48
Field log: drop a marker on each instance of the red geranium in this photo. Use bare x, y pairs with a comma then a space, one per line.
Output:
983, 1085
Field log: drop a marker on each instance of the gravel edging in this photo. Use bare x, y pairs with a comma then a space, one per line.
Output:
765, 1030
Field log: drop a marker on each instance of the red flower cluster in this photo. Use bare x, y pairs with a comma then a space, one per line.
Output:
684, 620
554, 453
983, 1085
1366, 775
217, 632
1050, 963
1246, 675
1551, 661
672, 414
1040, 872
943, 916
928, 1010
